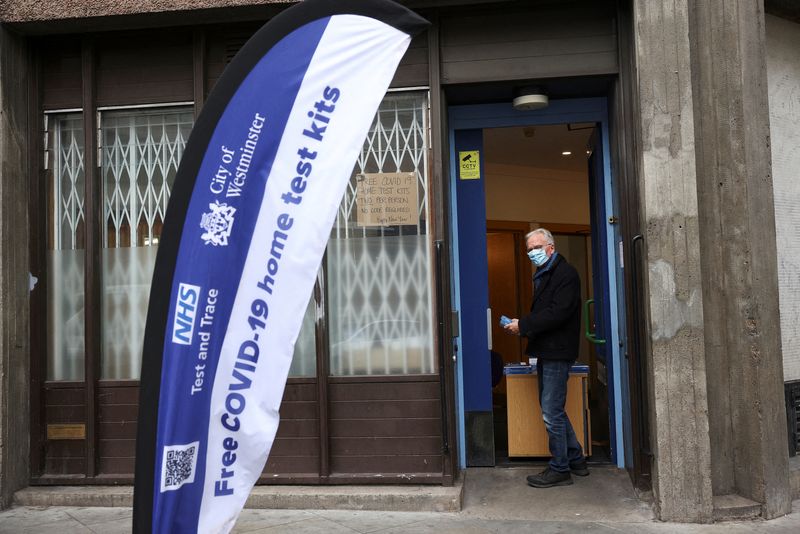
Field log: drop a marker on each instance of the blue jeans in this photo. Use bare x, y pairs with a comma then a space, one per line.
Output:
564, 446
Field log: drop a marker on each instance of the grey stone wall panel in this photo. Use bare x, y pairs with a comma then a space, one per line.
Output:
667, 173
739, 261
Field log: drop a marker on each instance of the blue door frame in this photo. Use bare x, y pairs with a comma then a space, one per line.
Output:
470, 388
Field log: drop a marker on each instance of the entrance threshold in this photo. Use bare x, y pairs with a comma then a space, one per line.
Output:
397, 498
606, 495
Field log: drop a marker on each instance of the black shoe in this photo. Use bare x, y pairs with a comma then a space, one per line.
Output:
549, 478
579, 468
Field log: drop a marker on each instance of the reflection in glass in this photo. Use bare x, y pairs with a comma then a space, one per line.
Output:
65, 247
304, 362
141, 151
379, 276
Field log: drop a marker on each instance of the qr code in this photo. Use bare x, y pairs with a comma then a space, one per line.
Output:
178, 464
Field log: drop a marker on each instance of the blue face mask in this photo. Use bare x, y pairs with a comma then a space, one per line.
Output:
538, 256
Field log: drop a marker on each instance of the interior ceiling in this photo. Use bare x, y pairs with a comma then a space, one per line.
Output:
539, 146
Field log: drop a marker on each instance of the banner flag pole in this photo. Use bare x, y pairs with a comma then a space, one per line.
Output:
251, 210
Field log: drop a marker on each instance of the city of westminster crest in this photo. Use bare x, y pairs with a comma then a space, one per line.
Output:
217, 224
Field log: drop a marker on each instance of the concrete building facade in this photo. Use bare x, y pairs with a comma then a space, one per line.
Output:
691, 119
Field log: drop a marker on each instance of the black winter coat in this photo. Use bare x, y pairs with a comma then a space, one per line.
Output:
553, 327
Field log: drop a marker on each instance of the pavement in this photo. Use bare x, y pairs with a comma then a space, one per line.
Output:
495, 501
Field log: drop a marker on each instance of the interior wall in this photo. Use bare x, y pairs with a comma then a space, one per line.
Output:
539, 196
783, 77
516, 193
536, 195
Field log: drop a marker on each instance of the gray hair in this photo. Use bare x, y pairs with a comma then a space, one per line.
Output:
544, 232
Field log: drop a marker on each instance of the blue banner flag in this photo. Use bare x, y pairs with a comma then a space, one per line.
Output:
251, 210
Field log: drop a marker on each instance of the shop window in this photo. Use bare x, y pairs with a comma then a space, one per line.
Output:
378, 269
140, 150
378, 262
65, 246
304, 361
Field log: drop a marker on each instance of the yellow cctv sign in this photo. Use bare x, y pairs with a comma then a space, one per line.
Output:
469, 165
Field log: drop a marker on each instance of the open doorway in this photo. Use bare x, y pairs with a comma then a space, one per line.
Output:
538, 176
492, 210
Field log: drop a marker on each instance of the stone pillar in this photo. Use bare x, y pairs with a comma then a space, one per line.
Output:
14, 267
739, 255
674, 295
707, 202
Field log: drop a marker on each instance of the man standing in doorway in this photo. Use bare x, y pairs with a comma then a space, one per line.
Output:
553, 331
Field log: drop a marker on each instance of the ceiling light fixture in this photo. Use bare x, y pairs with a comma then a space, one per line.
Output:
566, 153
530, 98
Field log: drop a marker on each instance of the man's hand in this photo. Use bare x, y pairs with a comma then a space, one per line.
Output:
512, 327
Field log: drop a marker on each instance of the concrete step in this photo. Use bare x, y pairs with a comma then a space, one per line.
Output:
401, 498
735, 507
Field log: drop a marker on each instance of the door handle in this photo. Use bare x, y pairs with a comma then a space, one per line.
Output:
588, 333
489, 326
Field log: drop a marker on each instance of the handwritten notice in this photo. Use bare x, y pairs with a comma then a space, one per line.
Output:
387, 199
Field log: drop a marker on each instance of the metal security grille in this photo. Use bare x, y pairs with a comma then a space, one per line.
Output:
792, 391
68, 179
64, 150
141, 150
380, 277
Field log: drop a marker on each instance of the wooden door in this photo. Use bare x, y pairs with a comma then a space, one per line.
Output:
504, 297
510, 287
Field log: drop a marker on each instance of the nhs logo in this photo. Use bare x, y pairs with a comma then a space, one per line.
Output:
185, 312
